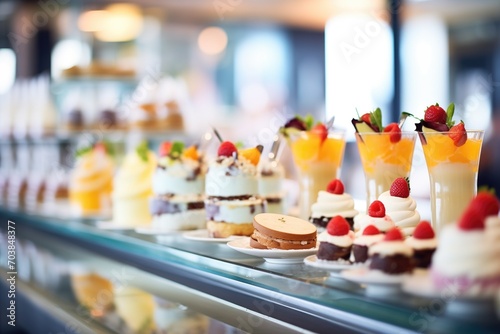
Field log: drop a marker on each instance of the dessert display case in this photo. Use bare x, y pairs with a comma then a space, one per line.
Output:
211, 279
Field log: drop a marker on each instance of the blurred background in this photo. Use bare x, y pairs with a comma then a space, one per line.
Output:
244, 66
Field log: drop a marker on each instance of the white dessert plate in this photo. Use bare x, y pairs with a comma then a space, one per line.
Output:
202, 235
111, 225
277, 256
363, 275
151, 230
313, 261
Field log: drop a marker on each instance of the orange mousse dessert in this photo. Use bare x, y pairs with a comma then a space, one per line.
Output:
452, 156
317, 152
91, 181
386, 153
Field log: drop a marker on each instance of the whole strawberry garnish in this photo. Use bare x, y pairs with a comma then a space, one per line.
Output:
395, 132
400, 187
164, 149
366, 118
335, 187
320, 130
226, 149
371, 230
100, 146
458, 134
471, 220
486, 204
423, 230
394, 234
376, 209
435, 114
338, 226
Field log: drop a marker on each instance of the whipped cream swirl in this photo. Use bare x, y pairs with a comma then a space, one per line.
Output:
402, 211
330, 205
362, 220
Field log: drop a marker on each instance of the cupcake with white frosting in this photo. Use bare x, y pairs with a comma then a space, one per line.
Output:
371, 235
333, 202
376, 216
391, 256
335, 243
424, 244
400, 206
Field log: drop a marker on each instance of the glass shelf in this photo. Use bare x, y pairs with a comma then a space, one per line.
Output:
301, 295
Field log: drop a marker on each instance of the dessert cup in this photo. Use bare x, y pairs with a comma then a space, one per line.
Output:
384, 161
318, 162
452, 173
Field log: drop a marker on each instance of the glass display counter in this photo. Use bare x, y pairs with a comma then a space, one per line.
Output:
241, 291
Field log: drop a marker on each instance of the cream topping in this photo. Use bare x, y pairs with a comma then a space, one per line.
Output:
368, 240
388, 248
362, 220
420, 244
231, 177
329, 205
179, 177
402, 210
134, 177
338, 240
472, 253
93, 171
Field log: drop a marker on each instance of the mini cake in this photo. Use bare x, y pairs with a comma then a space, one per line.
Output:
376, 216
271, 176
132, 188
91, 181
424, 244
231, 191
467, 258
332, 202
392, 255
362, 243
336, 242
278, 231
400, 206
178, 185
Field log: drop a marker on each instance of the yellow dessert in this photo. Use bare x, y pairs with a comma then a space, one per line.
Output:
136, 308
91, 181
133, 188
93, 292
318, 154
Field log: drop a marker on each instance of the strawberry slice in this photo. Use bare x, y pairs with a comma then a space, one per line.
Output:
435, 114
164, 149
458, 134
338, 226
376, 209
423, 231
400, 187
226, 149
395, 132
394, 234
335, 187
371, 230
320, 130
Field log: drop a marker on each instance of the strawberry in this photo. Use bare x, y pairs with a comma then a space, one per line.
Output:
100, 146
366, 118
400, 187
338, 226
335, 187
486, 204
435, 114
471, 220
376, 209
423, 230
371, 230
394, 234
320, 130
165, 148
458, 134
395, 132
226, 149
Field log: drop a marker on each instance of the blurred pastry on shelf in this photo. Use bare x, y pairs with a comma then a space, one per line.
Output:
135, 307
132, 188
91, 181
172, 120
98, 69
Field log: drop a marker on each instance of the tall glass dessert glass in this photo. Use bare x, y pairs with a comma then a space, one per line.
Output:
452, 173
318, 162
383, 161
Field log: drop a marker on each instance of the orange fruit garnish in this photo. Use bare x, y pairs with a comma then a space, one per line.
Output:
251, 154
191, 153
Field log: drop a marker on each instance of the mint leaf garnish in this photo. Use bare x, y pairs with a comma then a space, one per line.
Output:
449, 115
176, 150
142, 151
309, 121
376, 119
239, 145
